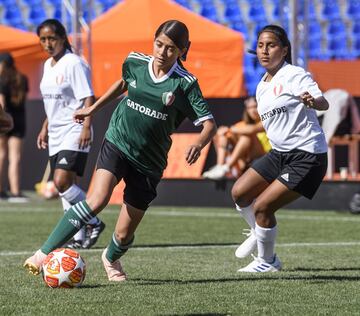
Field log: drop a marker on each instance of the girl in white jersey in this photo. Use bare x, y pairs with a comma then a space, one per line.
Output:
161, 94
65, 88
287, 98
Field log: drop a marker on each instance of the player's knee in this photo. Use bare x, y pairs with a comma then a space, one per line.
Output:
123, 237
239, 197
97, 202
61, 183
262, 210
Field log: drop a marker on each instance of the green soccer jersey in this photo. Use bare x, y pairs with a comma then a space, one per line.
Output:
143, 121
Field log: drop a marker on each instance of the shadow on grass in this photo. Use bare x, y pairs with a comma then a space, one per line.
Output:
279, 277
192, 245
186, 245
322, 269
93, 286
205, 314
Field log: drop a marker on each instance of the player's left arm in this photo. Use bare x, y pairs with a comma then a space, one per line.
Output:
207, 133
85, 136
320, 103
198, 112
308, 90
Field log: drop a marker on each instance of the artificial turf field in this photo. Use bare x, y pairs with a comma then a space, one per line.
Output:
183, 263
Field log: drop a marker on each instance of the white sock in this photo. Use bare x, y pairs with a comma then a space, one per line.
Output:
248, 214
71, 196
66, 205
266, 242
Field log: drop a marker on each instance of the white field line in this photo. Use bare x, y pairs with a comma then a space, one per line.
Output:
212, 214
197, 247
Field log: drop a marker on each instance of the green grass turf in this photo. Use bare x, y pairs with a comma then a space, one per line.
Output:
183, 263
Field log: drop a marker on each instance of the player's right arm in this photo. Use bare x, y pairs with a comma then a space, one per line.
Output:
116, 90
42, 139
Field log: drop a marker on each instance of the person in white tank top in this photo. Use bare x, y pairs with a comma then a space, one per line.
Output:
66, 88
287, 98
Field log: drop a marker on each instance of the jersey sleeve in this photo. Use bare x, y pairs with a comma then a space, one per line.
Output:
133, 61
126, 70
302, 82
81, 80
199, 109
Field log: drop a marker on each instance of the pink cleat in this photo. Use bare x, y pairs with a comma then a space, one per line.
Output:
113, 270
34, 263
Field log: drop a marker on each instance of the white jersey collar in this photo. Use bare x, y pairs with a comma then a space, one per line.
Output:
163, 78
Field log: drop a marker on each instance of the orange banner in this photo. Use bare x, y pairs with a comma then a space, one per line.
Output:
340, 74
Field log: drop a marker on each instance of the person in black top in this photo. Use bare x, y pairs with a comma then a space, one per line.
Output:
13, 92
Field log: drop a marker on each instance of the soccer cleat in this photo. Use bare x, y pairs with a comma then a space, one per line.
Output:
3, 196
34, 263
114, 269
248, 246
92, 235
260, 265
19, 198
218, 172
74, 244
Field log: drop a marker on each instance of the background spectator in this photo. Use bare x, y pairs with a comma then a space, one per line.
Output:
13, 90
239, 144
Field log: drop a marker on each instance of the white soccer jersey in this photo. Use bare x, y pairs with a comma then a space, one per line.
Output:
289, 124
63, 88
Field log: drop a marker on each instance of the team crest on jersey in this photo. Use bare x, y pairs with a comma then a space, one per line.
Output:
168, 98
59, 79
278, 88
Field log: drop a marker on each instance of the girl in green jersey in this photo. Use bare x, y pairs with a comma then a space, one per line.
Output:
161, 94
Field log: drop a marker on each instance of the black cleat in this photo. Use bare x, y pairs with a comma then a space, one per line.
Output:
92, 234
73, 244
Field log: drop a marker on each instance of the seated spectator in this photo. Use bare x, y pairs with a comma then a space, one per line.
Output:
238, 145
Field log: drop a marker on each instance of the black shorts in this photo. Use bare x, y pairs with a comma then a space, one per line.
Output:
298, 170
140, 189
19, 125
69, 160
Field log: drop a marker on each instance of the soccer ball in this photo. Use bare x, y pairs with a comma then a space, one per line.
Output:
63, 268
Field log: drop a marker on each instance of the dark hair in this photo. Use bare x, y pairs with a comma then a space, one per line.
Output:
280, 33
58, 28
7, 59
177, 32
15, 80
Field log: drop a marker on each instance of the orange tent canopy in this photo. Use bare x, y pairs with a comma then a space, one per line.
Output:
215, 56
28, 55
